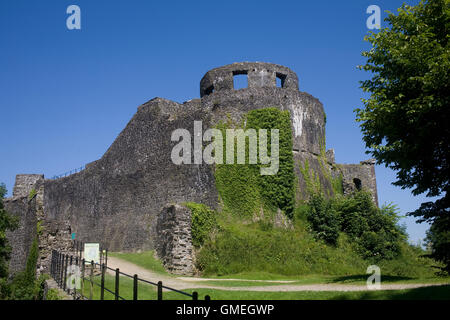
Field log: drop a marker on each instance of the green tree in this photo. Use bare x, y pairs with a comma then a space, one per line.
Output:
7, 222
405, 121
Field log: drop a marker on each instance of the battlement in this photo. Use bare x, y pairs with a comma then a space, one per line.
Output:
260, 74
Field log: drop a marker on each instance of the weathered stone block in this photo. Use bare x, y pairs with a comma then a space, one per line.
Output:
173, 239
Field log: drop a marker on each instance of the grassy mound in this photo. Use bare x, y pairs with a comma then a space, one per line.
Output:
262, 248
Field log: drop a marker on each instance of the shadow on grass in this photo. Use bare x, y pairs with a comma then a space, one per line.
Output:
363, 278
441, 292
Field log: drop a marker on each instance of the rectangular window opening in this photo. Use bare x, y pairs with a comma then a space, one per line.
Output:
240, 80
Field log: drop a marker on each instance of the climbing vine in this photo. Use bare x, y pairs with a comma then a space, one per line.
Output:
203, 222
242, 189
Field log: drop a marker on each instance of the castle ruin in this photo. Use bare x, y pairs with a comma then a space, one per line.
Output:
131, 198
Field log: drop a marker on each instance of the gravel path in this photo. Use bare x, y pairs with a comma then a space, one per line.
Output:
182, 283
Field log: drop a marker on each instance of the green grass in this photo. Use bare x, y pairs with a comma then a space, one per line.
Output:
144, 259
148, 261
145, 291
148, 292
236, 283
255, 248
318, 279
429, 293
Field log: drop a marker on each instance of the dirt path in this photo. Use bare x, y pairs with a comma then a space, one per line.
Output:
182, 283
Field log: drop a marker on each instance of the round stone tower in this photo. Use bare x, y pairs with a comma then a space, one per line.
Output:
307, 116
259, 74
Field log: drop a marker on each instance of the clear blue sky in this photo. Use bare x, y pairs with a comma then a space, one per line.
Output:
66, 94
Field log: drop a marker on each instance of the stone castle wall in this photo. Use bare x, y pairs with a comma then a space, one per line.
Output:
122, 199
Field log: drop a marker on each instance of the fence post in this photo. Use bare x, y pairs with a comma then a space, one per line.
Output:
160, 290
106, 257
71, 259
195, 295
77, 269
207, 298
117, 284
59, 268
102, 283
61, 276
135, 287
65, 272
82, 277
51, 265
91, 276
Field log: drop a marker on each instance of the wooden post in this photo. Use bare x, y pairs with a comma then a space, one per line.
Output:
195, 295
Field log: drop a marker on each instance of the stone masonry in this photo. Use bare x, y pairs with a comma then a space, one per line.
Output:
174, 240
130, 198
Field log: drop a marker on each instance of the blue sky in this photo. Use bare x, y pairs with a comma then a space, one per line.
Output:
65, 95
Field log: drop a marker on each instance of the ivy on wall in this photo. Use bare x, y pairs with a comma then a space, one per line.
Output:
203, 222
312, 180
242, 189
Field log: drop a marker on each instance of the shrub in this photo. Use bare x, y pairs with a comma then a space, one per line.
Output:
30, 269
374, 230
24, 285
323, 219
24, 289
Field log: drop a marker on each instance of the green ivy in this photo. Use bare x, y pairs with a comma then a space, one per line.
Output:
242, 189
311, 179
32, 193
203, 222
277, 190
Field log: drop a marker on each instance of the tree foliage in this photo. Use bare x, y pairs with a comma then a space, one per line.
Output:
405, 121
323, 218
374, 231
7, 222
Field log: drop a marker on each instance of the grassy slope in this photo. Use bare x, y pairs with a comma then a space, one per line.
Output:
145, 259
260, 251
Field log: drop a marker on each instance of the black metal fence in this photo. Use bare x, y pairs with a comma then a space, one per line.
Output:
60, 263
68, 173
